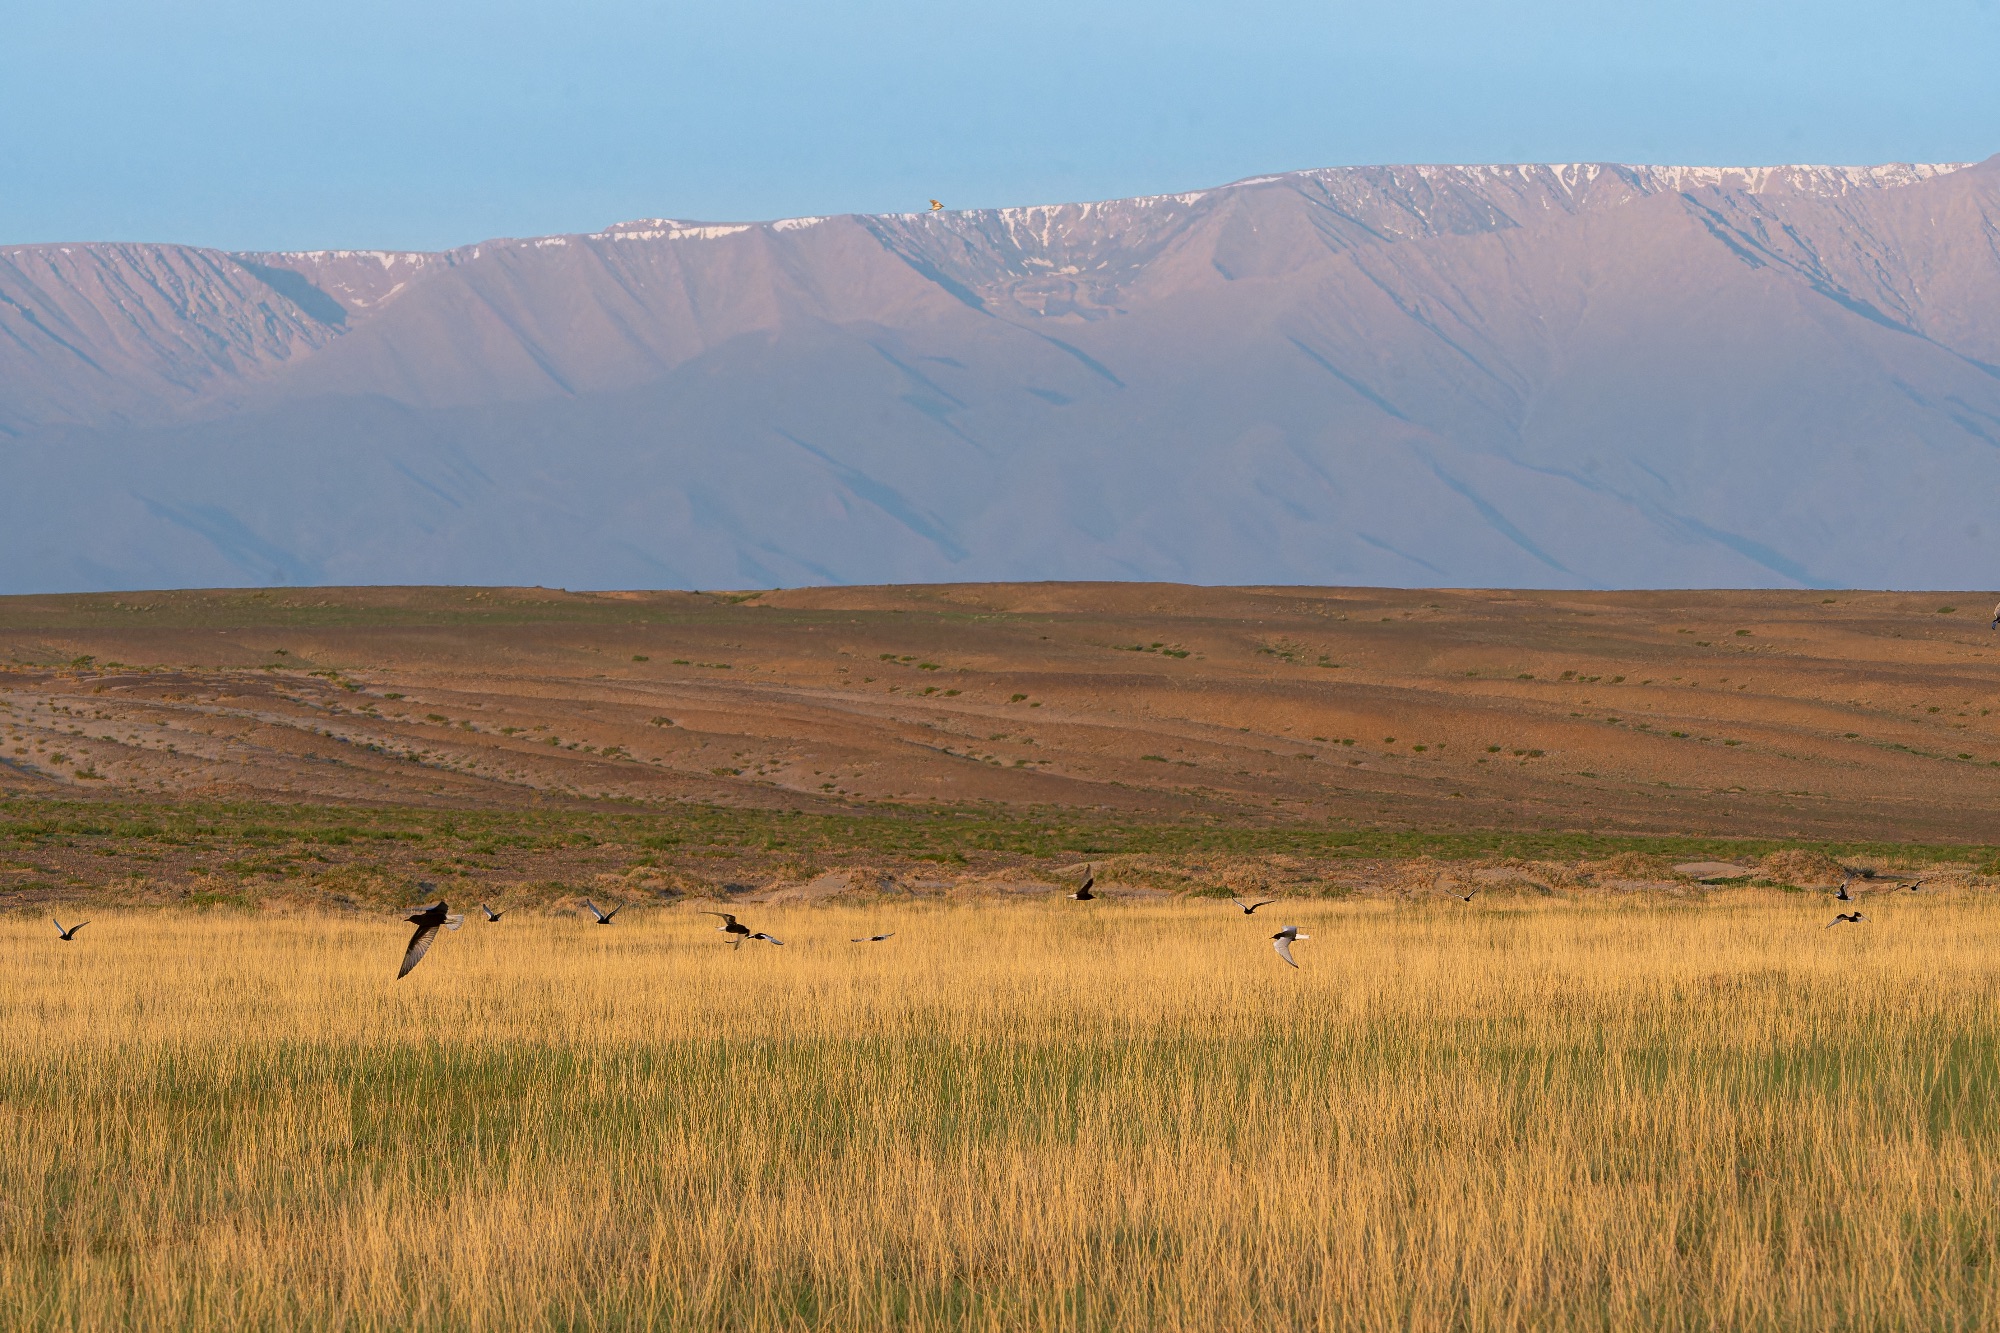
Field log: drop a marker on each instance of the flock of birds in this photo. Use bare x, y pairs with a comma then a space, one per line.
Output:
439, 916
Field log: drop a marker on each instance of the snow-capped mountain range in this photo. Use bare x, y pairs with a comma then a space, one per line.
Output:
1586, 374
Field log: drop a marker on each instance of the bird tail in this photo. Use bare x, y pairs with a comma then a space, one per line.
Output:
454, 922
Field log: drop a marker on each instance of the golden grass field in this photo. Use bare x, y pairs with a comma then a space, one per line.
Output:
1522, 1113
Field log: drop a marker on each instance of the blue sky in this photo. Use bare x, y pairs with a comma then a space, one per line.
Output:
287, 124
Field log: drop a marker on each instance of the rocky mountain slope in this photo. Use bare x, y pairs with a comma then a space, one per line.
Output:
1577, 375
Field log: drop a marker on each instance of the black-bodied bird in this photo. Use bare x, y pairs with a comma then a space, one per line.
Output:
491, 915
1844, 896
68, 932
603, 917
1083, 894
870, 939
1466, 897
1855, 917
1282, 942
738, 932
1249, 908
427, 920
1918, 885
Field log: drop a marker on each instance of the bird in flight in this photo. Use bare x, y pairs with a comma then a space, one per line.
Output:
937, 207
1083, 893
1249, 908
1918, 885
1855, 917
864, 939
1844, 896
1282, 942
491, 915
426, 920
1466, 897
738, 932
68, 932
603, 917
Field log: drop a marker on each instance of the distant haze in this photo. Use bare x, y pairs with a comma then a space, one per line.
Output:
1582, 375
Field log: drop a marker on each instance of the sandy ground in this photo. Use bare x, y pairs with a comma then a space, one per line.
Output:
1787, 714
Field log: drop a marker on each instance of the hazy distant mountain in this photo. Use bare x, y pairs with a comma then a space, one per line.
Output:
1571, 375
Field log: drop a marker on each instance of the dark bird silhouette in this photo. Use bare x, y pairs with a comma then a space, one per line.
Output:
1466, 897
871, 939
1855, 917
603, 917
491, 915
1844, 896
427, 920
68, 932
1083, 894
1282, 942
1918, 885
1249, 908
738, 932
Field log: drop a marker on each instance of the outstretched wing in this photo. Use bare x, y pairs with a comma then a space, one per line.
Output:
726, 917
1284, 948
1266, 903
593, 909
760, 935
420, 944
613, 912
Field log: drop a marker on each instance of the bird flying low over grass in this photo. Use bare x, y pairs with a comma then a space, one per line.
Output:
1854, 917
1249, 908
867, 939
603, 917
427, 920
491, 915
68, 932
738, 932
1282, 942
1083, 893
1844, 896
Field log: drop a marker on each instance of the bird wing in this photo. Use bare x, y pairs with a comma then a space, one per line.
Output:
760, 935
491, 915
935, 205
420, 944
593, 909
60, 927
1284, 948
1266, 903
613, 912
726, 917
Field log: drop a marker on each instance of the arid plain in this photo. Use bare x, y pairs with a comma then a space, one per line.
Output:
1766, 714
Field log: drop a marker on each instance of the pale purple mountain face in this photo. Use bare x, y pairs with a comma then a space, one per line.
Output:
1534, 376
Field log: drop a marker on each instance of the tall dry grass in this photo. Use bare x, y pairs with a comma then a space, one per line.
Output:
1095, 1116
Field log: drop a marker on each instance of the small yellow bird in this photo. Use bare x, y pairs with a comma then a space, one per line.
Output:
936, 207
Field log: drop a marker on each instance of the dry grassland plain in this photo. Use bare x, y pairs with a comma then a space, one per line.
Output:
1061, 1115
1601, 1094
